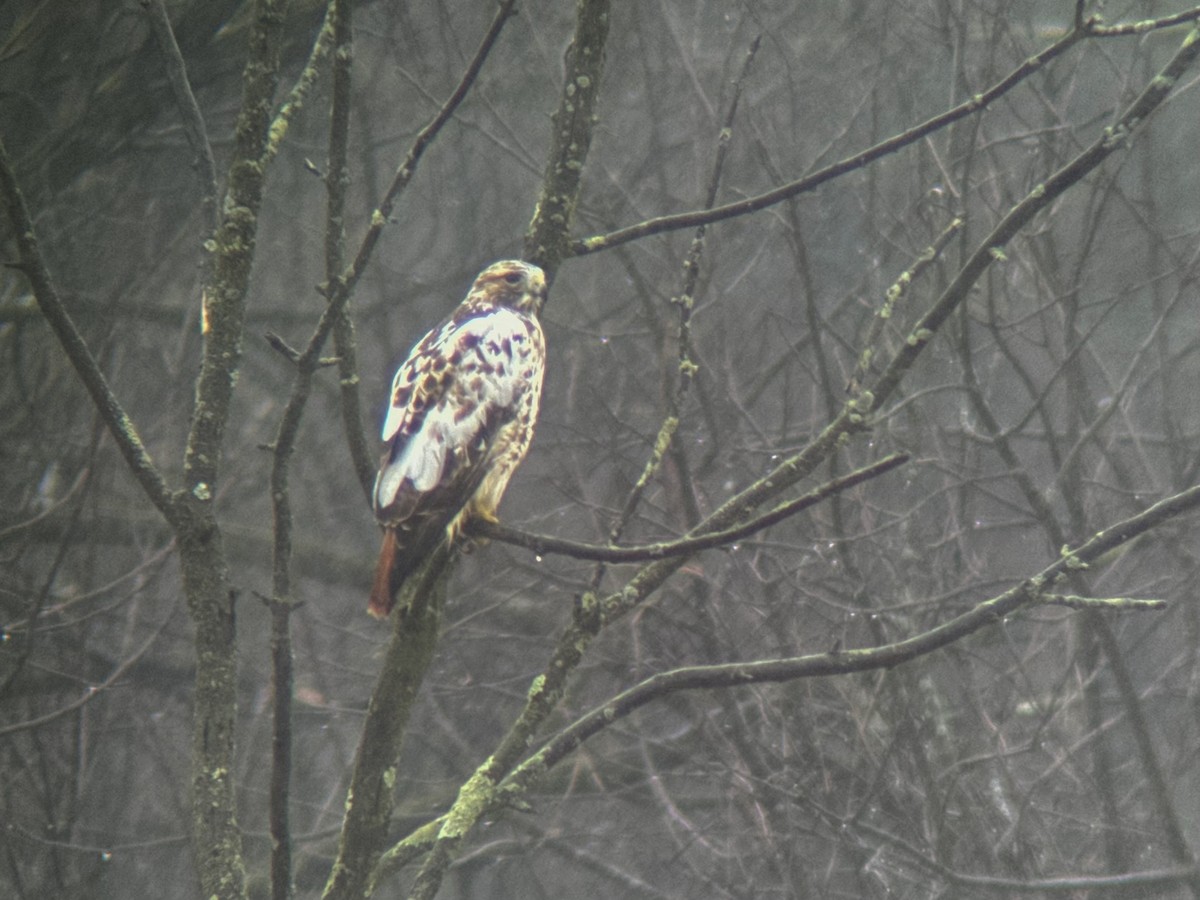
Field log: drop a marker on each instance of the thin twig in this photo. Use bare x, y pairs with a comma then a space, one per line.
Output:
810, 182
891, 300
278, 812
296, 96
1023, 887
282, 347
379, 218
1133, 28
1103, 604
94, 690
337, 183
543, 544
189, 110
282, 602
686, 368
19, 637
1114, 138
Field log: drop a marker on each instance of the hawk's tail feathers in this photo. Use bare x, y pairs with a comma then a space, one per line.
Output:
406, 548
383, 591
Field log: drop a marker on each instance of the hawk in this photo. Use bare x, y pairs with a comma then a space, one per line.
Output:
461, 417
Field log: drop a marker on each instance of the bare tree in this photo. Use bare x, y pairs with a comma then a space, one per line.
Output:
852, 556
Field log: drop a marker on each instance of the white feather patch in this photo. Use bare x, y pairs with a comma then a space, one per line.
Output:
487, 383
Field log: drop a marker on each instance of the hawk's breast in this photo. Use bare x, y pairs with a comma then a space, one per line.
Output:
462, 411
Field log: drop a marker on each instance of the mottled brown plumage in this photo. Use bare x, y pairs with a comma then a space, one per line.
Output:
461, 418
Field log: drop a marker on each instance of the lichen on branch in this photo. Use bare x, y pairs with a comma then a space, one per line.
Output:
548, 240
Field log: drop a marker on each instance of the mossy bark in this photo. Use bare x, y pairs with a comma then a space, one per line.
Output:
548, 241
371, 797
215, 834
217, 840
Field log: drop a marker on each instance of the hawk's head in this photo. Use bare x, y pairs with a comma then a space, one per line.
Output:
512, 283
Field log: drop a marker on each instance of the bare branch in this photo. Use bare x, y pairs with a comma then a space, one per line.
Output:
216, 834
379, 218
662, 224
224, 299
1062, 884
547, 242
372, 787
93, 691
189, 110
296, 96
337, 183
731, 675
990, 250
1084, 28
119, 425
1103, 604
282, 602
983, 615
891, 300
685, 370
1146, 25
543, 544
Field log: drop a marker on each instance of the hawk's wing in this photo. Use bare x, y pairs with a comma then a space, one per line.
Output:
461, 384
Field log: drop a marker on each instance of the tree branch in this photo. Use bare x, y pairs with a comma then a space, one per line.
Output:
282, 603
215, 833
118, 423
1145, 25
547, 242
224, 298
371, 796
892, 297
662, 224
1029, 592
692, 219
686, 368
1115, 137
1065, 884
337, 183
349, 278
295, 99
543, 544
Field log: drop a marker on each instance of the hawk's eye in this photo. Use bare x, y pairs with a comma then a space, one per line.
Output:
513, 277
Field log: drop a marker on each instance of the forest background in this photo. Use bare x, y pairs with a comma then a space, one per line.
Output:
856, 551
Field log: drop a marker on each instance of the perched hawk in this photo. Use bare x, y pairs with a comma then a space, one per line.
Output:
461, 417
